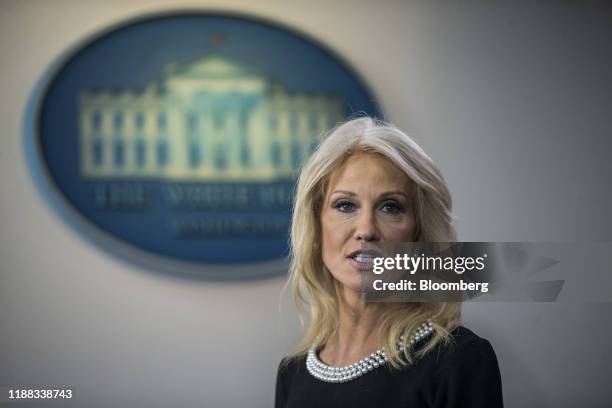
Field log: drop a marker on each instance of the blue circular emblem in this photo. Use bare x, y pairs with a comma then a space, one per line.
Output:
175, 140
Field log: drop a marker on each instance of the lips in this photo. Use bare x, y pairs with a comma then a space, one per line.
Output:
362, 260
361, 257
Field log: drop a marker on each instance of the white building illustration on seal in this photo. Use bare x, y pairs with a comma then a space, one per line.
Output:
208, 120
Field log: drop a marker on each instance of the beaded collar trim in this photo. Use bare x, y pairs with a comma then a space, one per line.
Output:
324, 372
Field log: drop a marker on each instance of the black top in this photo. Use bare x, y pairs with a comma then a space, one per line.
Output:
465, 374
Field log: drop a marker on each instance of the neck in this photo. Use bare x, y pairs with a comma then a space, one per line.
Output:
357, 334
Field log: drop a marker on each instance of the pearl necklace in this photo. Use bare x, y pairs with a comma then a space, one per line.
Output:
324, 372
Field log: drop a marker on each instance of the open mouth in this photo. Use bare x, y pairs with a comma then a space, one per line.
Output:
363, 260
362, 257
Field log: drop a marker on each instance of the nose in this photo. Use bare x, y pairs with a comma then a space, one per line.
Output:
366, 229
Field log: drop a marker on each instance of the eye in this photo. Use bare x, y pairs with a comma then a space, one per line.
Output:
391, 207
344, 206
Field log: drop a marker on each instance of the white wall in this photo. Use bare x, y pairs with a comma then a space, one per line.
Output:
510, 98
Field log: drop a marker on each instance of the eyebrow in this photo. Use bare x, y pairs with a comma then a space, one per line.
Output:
385, 194
350, 193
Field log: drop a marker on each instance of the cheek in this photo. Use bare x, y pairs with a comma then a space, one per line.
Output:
334, 234
403, 230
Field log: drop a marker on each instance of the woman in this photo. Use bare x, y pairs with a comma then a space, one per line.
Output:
370, 183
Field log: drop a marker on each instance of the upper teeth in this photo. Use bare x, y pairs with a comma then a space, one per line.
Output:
363, 257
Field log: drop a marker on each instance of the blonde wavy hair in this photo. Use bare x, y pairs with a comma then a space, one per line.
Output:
312, 284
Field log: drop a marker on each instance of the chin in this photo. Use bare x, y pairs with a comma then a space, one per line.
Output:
351, 282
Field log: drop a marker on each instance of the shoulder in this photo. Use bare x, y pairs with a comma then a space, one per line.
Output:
289, 367
464, 347
289, 364
467, 371
464, 335
463, 339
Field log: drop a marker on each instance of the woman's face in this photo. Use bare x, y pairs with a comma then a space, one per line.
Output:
368, 200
